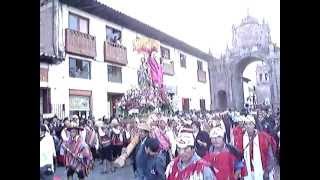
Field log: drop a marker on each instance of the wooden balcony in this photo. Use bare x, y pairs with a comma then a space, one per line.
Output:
80, 43
202, 76
115, 53
168, 68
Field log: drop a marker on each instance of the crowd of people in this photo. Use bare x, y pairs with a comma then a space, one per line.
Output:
227, 145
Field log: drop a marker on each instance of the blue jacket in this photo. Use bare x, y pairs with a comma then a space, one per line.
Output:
141, 159
156, 167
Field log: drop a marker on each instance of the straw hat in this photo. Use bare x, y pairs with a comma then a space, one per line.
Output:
184, 140
217, 132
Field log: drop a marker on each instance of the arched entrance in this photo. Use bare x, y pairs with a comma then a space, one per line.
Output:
251, 42
237, 79
222, 100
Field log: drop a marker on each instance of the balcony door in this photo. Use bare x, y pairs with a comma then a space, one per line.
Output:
113, 98
185, 104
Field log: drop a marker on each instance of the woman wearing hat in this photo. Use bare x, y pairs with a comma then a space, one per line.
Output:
77, 153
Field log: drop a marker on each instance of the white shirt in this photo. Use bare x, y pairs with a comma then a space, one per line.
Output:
64, 134
47, 151
97, 144
172, 140
83, 134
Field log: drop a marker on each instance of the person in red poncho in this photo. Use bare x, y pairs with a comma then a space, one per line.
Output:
221, 157
77, 153
258, 150
188, 165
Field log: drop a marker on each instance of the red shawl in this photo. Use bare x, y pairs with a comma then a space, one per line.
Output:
196, 167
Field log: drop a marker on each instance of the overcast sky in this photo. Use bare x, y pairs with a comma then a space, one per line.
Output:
201, 23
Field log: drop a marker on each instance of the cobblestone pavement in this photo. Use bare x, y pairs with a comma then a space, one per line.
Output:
125, 173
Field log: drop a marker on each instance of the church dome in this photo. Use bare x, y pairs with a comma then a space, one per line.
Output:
249, 20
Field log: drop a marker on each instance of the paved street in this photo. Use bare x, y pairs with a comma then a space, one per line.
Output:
120, 174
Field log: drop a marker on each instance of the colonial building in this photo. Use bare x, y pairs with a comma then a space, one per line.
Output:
49, 54
99, 62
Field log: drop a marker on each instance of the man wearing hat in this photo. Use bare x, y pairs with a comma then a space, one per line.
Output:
188, 165
76, 119
222, 157
77, 153
258, 150
136, 149
140, 154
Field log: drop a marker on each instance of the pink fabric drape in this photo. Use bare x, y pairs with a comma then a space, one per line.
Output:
156, 71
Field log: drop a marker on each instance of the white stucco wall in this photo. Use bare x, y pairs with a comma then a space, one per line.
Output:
184, 79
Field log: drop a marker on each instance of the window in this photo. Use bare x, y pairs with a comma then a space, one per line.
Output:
113, 35
199, 65
78, 23
79, 69
45, 100
114, 74
266, 76
202, 104
185, 104
183, 60
165, 53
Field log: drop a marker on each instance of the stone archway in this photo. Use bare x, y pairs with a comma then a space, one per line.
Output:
238, 66
251, 41
222, 100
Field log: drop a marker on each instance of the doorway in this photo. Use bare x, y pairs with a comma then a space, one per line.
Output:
222, 100
113, 98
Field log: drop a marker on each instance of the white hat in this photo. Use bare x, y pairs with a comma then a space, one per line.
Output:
116, 131
187, 121
134, 111
74, 125
137, 120
99, 123
184, 140
114, 122
48, 115
75, 117
216, 132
